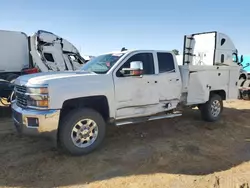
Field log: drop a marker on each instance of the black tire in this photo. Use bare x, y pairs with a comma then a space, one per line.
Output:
206, 109
245, 94
66, 144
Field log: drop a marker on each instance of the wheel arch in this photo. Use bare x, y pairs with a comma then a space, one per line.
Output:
221, 93
243, 76
98, 103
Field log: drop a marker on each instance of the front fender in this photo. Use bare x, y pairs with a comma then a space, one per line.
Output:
67, 89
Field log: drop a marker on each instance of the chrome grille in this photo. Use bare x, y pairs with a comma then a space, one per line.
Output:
20, 89
21, 101
20, 95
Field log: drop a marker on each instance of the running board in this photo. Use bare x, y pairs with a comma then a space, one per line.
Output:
145, 119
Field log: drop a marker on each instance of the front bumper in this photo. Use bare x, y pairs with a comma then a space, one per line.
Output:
36, 122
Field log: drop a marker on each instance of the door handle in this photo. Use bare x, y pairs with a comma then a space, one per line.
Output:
151, 82
175, 80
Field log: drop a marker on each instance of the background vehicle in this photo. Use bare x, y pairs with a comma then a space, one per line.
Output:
127, 87
42, 52
244, 79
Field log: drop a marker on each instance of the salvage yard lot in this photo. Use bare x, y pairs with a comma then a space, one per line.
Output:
180, 152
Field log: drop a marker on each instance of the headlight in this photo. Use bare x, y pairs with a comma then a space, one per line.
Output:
38, 90
38, 97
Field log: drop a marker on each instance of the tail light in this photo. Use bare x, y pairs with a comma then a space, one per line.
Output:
31, 71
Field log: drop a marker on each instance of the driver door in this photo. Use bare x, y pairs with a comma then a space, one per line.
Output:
136, 96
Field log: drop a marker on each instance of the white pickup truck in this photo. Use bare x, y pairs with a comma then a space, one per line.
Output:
125, 87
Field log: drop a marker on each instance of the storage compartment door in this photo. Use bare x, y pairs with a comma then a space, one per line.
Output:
198, 90
233, 89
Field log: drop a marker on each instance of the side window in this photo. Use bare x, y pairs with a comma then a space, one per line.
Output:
222, 58
223, 40
147, 60
166, 62
49, 57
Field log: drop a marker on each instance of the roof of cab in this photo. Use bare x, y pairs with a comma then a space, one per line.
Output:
136, 50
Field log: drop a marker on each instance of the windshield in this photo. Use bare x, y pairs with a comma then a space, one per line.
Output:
102, 64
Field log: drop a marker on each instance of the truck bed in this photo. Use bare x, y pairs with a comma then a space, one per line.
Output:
198, 81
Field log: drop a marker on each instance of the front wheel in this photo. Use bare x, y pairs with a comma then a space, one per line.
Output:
81, 131
212, 109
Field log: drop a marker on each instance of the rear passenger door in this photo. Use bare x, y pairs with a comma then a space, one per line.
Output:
169, 81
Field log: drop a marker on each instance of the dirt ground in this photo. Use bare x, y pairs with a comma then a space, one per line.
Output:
177, 153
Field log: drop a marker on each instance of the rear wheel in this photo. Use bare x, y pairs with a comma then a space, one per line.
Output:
212, 109
245, 94
81, 131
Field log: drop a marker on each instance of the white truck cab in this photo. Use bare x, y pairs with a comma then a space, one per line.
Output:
125, 87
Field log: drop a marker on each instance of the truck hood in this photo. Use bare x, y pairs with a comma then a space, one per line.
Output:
45, 78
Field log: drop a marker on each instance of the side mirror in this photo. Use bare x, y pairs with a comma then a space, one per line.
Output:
241, 58
136, 69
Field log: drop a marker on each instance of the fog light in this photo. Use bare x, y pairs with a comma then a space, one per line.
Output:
33, 122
